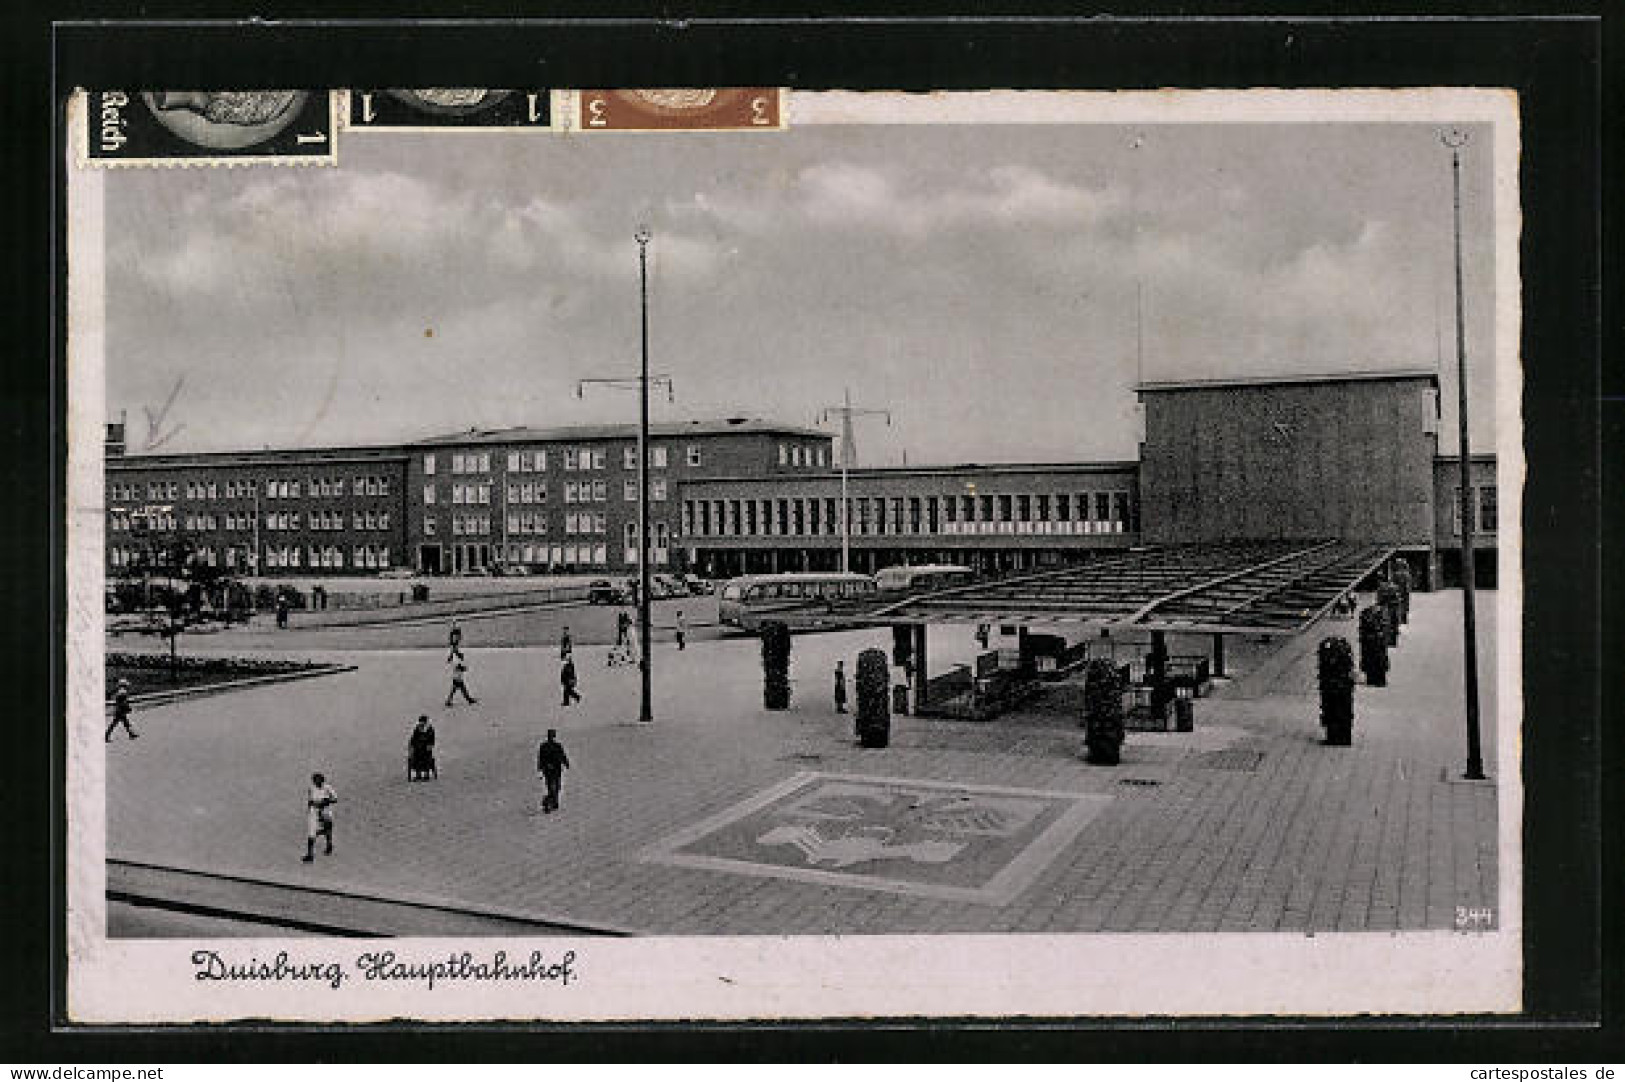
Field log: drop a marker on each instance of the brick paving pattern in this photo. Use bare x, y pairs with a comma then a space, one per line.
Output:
1247, 824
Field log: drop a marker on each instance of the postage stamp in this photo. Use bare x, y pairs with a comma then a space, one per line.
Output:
1043, 523
682, 109
447, 109
169, 127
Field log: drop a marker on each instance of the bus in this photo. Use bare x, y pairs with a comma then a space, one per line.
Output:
923, 577
800, 600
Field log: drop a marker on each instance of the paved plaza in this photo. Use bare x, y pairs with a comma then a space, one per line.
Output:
721, 817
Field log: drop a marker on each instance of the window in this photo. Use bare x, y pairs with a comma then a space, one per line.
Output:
513, 462
795, 455
600, 491
629, 458
598, 523
428, 465
584, 457
539, 461
659, 456
600, 458
693, 454
1488, 513
657, 489
429, 526
913, 514
784, 455
484, 462
820, 456
484, 493
1120, 510
569, 458
629, 489
571, 489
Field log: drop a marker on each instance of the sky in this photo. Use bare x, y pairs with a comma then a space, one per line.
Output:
981, 283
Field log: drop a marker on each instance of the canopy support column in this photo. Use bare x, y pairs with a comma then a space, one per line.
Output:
1218, 654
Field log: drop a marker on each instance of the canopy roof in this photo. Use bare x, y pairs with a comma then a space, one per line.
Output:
1245, 587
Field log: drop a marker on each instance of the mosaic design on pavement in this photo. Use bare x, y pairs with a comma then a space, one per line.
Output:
974, 843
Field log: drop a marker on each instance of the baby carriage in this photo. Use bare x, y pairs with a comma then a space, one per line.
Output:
420, 764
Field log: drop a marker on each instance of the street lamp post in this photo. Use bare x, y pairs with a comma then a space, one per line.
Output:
846, 411
1455, 140
645, 706
642, 383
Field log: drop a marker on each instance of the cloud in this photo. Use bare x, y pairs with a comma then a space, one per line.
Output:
869, 197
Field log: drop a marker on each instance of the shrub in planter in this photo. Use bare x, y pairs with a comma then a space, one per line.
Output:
1374, 645
775, 666
1335, 662
1103, 713
1388, 598
874, 706
1402, 579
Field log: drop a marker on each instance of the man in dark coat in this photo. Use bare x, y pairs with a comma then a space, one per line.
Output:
121, 711
567, 680
551, 763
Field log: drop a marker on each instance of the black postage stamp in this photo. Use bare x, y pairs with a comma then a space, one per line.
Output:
449, 109
126, 127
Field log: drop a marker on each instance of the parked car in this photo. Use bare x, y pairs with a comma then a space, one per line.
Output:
698, 586
663, 586
398, 573
478, 572
513, 571
604, 592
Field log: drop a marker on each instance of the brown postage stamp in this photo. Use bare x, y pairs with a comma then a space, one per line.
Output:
683, 109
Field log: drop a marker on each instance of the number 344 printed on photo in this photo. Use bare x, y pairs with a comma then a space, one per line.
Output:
1474, 918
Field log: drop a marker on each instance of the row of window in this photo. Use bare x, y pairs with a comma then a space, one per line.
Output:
528, 522
576, 555
321, 486
360, 556
1488, 517
578, 458
329, 556
585, 522
322, 520
468, 525
793, 454
909, 514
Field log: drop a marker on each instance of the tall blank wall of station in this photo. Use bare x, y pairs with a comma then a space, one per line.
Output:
1291, 461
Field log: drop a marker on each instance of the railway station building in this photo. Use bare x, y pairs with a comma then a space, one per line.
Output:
1351, 457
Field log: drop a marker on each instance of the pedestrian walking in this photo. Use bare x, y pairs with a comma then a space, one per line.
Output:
121, 711
282, 611
319, 801
420, 764
567, 679
623, 628
459, 681
551, 763
565, 644
682, 631
454, 642
840, 687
